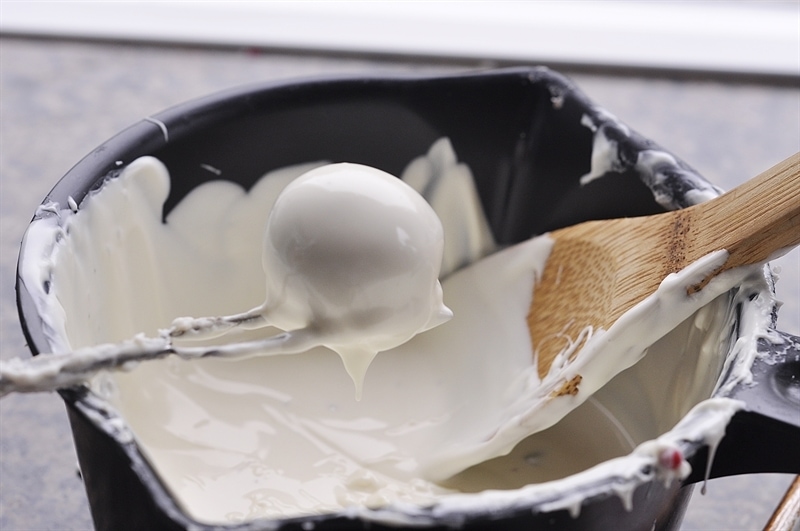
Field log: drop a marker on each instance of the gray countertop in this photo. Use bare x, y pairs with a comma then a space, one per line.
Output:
61, 99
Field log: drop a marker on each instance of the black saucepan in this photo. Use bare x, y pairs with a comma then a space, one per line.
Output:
523, 134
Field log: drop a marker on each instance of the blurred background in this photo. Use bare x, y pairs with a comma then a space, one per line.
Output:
718, 83
745, 37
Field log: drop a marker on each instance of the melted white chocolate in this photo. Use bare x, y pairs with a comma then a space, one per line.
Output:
282, 436
351, 258
352, 254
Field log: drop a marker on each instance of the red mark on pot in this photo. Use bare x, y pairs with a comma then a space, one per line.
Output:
670, 458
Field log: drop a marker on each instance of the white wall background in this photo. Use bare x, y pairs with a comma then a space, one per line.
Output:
718, 36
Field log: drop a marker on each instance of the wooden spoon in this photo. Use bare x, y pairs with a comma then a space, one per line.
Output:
600, 269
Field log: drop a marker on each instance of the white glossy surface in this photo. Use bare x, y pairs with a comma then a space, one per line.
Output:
275, 436
352, 256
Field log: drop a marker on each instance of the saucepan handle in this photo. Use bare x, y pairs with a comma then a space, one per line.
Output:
764, 436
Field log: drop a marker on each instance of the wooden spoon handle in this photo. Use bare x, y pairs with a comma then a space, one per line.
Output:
599, 270
787, 514
753, 222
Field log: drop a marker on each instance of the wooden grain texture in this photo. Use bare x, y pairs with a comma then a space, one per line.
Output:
600, 269
787, 514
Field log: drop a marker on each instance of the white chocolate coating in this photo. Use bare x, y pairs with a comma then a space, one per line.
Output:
352, 254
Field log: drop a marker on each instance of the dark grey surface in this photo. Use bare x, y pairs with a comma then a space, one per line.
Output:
59, 100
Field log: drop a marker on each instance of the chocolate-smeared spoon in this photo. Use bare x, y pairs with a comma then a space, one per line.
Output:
351, 256
599, 270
